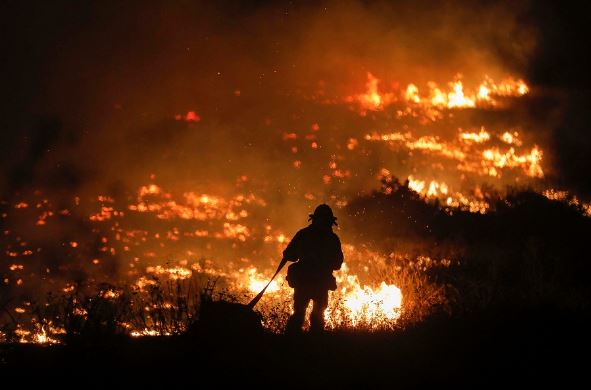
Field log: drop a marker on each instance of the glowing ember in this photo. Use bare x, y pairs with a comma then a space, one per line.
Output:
530, 161
171, 272
42, 338
190, 116
479, 137
149, 332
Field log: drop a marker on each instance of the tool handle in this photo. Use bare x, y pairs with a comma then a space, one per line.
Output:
256, 299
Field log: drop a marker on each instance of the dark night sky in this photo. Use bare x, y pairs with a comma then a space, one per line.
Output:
34, 34
563, 60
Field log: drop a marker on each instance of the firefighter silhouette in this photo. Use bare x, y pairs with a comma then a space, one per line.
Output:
316, 253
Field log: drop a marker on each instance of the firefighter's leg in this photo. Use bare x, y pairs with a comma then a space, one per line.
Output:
300, 303
317, 316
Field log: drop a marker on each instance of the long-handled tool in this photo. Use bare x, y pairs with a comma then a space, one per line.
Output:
256, 299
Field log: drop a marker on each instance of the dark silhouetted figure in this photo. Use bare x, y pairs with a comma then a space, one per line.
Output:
316, 251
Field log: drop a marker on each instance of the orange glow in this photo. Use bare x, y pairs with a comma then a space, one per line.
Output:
412, 94
171, 272
353, 303
190, 116
479, 137
164, 234
529, 161
456, 96
372, 100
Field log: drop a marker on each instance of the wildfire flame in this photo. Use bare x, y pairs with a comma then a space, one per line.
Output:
456, 96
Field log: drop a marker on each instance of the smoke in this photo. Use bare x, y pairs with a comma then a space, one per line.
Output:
115, 75
560, 63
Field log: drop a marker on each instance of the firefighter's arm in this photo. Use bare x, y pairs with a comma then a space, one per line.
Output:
292, 252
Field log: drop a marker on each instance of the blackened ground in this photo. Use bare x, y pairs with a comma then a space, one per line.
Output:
507, 347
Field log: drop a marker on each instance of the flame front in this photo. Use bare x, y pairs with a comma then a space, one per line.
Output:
485, 94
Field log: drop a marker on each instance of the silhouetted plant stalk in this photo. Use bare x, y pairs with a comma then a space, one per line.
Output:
171, 307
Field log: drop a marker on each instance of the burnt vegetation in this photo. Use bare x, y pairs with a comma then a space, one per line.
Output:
529, 251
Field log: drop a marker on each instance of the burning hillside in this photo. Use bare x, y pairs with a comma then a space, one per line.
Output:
236, 236
146, 194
